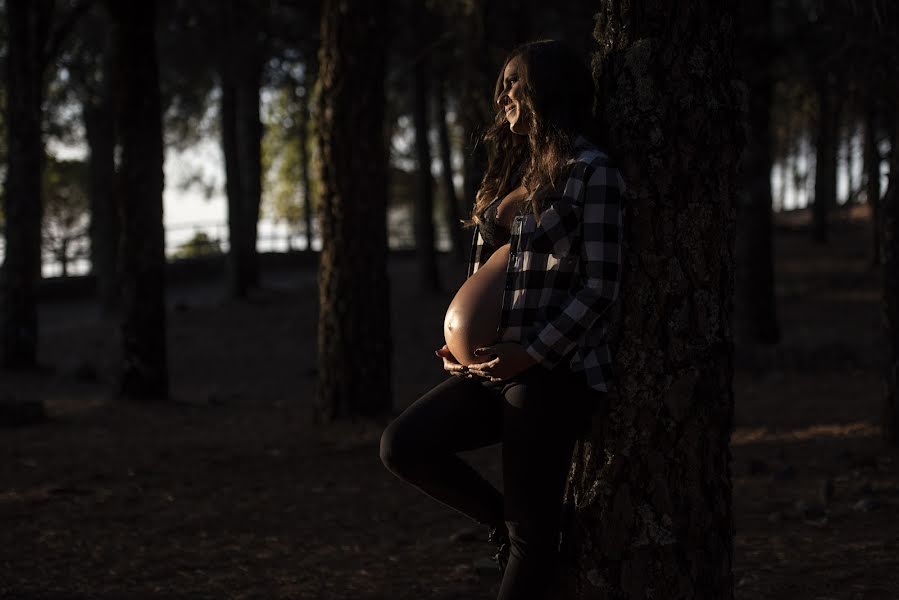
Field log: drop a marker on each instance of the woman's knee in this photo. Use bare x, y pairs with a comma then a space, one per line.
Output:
395, 451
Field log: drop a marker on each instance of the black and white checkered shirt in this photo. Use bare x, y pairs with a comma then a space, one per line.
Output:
564, 273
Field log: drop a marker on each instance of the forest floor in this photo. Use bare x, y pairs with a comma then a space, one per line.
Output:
232, 492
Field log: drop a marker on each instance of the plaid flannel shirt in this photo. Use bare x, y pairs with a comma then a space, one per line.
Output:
564, 273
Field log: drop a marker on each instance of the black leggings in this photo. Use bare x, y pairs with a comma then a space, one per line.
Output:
537, 415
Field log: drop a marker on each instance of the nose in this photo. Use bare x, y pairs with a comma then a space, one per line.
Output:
503, 99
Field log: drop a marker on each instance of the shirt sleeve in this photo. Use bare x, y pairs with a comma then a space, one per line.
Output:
600, 257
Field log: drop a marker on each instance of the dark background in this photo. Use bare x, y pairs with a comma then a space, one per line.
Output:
160, 404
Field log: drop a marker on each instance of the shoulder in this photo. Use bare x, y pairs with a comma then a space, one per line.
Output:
592, 165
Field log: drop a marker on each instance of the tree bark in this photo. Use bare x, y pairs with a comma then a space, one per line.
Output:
453, 213
428, 272
105, 227
474, 97
354, 343
825, 158
138, 118
241, 73
890, 252
756, 308
649, 497
28, 26
872, 174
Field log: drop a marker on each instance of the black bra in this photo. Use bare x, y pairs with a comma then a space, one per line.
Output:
494, 233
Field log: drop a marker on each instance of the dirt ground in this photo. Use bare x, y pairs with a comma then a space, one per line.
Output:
231, 492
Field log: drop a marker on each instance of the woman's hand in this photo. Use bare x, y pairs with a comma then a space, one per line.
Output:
507, 360
450, 364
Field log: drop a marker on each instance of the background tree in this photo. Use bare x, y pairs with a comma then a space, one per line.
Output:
756, 314
649, 494
354, 344
422, 48
138, 119
83, 80
242, 51
35, 29
28, 30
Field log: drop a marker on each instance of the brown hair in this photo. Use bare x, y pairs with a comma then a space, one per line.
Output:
557, 99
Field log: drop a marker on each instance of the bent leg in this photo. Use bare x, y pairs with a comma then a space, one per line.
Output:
420, 446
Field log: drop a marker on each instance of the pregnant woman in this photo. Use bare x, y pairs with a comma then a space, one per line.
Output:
526, 333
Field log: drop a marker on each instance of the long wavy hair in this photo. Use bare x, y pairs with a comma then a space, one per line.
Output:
557, 99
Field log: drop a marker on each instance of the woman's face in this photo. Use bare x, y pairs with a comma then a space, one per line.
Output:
510, 98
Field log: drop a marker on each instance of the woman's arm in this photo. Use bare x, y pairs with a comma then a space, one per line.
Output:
601, 261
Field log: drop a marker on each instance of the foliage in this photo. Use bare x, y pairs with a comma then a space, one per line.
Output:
282, 196
66, 208
198, 245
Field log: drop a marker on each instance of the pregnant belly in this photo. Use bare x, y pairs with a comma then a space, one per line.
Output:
473, 316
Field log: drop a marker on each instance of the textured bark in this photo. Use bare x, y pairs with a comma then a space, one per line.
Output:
890, 253
826, 150
428, 273
648, 504
28, 25
139, 195
241, 72
105, 225
872, 176
453, 210
354, 344
755, 317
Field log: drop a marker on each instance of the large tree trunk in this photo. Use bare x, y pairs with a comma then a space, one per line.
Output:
140, 183
104, 226
825, 158
872, 175
241, 73
649, 497
453, 212
756, 307
428, 273
890, 252
354, 343
27, 27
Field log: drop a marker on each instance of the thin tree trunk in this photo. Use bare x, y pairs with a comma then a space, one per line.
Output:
474, 100
649, 497
140, 183
104, 225
354, 343
756, 309
825, 159
428, 272
872, 185
303, 134
241, 70
27, 29
890, 252
453, 214
852, 184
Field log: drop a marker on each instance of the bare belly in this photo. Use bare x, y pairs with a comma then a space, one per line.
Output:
473, 316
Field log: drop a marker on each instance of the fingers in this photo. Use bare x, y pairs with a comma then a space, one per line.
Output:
454, 368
